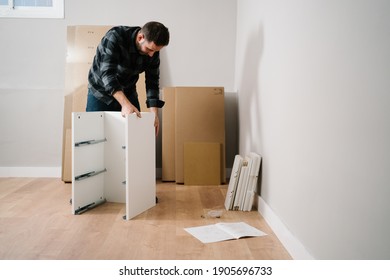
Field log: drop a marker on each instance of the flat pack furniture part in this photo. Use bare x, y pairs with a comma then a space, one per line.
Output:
191, 114
168, 135
199, 117
140, 164
249, 195
242, 183
113, 159
202, 163
233, 182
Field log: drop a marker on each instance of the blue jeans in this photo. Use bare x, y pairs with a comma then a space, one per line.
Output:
94, 104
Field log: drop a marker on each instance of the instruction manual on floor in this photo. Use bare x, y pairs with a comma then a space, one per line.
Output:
224, 231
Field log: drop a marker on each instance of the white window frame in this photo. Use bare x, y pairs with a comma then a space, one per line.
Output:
10, 11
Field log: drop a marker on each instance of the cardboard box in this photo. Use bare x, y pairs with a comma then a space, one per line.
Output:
202, 163
82, 41
168, 135
198, 116
66, 172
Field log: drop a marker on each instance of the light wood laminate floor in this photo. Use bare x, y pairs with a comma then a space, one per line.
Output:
36, 223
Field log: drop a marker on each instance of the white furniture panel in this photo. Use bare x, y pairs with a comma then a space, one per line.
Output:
243, 182
234, 177
252, 182
140, 169
87, 160
113, 159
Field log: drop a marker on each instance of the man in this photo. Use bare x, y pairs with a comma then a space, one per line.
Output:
123, 53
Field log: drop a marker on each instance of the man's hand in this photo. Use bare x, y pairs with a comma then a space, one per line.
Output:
156, 119
130, 109
127, 107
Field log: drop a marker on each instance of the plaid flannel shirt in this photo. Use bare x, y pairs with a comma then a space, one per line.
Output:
117, 65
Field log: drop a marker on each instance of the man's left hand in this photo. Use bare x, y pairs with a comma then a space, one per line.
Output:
156, 119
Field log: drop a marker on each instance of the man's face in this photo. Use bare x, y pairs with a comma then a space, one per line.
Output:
147, 48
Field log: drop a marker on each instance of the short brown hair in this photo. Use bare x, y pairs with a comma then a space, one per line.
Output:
156, 32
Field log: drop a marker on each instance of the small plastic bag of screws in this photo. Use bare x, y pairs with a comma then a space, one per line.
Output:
212, 213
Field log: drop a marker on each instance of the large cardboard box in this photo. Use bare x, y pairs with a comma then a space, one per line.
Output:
168, 135
202, 163
198, 115
82, 41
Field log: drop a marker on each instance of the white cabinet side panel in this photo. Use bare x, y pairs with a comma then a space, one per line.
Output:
235, 175
245, 183
252, 182
115, 157
140, 168
242, 184
87, 158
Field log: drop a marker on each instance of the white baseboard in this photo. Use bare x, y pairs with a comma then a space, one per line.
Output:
52, 172
292, 245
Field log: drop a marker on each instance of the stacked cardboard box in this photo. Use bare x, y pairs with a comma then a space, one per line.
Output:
193, 135
82, 41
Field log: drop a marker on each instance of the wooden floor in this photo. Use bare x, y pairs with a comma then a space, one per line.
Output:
36, 223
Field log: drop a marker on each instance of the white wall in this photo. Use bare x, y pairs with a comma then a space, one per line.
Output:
313, 86
32, 55
32, 68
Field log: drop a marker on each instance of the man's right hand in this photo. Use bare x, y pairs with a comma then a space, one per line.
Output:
130, 109
127, 107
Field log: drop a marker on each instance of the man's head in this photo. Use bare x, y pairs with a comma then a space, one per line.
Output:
152, 37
